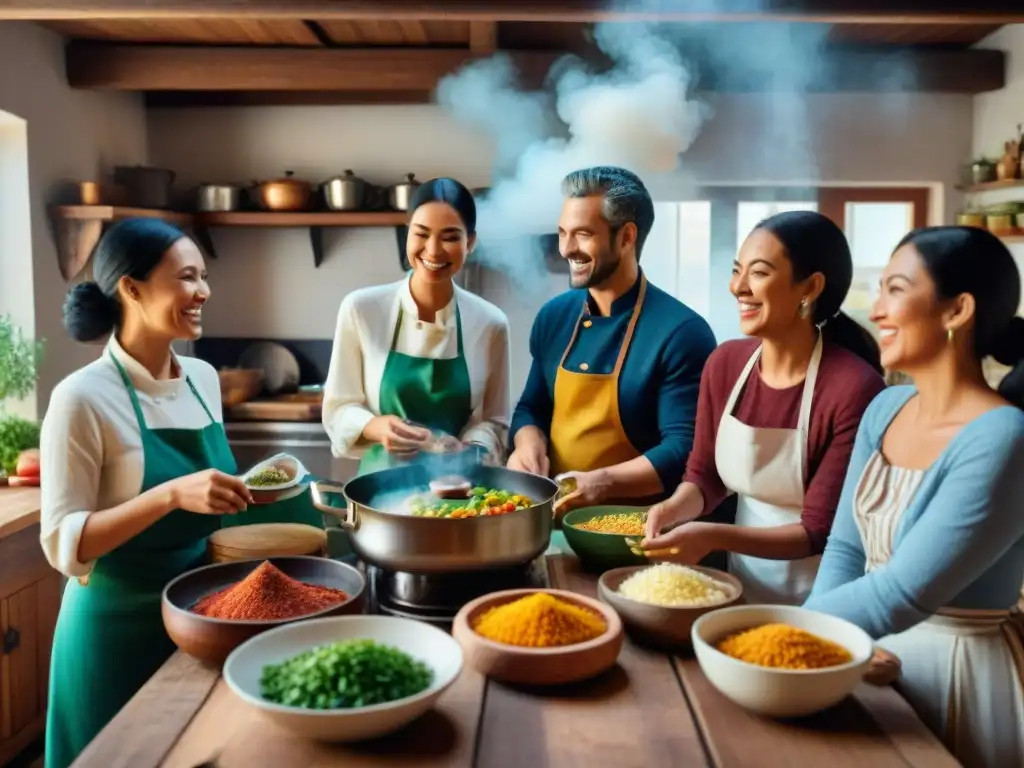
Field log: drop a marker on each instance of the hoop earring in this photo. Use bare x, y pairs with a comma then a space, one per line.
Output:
949, 335
804, 309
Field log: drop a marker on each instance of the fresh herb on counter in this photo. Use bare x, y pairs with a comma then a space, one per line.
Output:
353, 673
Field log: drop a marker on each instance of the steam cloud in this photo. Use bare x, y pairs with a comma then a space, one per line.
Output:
642, 114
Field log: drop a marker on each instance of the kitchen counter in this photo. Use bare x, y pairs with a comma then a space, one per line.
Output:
651, 710
30, 592
19, 509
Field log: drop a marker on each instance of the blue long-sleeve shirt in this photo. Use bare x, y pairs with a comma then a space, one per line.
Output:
959, 543
660, 376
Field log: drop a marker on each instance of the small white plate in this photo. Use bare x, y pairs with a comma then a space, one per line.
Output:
432, 646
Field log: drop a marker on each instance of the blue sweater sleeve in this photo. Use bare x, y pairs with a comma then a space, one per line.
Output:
683, 363
535, 406
971, 520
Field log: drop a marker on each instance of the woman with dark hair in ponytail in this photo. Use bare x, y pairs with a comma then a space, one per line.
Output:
139, 474
777, 414
927, 552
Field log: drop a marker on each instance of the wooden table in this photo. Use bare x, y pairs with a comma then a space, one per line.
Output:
650, 711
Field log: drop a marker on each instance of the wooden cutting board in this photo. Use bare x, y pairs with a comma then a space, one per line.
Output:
277, 409
263, 540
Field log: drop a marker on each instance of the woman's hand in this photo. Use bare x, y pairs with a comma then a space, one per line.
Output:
884, 668
395, 434
210, 492
693, 542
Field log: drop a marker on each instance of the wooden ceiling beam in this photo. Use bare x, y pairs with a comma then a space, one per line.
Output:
148, 68
828, 11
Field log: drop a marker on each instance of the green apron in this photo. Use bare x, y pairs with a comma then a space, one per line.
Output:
110, 637
298, 509
434, 393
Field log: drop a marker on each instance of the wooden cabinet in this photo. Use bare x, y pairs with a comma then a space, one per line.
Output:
30, 592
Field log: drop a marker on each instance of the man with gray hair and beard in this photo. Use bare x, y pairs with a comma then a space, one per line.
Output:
611, 397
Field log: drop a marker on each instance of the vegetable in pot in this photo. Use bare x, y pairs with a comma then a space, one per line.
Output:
353, 673
483, 502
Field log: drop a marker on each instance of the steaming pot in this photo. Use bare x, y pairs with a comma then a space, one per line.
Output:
385, 536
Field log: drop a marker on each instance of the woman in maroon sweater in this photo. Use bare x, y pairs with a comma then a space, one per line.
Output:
777, 414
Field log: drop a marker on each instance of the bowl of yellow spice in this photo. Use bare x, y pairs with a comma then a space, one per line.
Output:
781, 661
538, 636
598, 535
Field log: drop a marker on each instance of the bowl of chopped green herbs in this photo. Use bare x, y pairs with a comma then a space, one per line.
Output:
345, 678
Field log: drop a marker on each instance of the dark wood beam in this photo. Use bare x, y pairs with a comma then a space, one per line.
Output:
148, 68
830, 11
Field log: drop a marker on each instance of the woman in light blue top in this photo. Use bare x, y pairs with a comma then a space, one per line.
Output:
927, 550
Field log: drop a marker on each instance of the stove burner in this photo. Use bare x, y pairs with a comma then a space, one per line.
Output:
436, 598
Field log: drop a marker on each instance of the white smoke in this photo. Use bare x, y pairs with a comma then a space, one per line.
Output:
638, 114
642, 113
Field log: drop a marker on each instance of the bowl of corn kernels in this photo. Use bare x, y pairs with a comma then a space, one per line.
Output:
598, 535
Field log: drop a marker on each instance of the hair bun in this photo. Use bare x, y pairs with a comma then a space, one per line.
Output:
1008, 346
89, 314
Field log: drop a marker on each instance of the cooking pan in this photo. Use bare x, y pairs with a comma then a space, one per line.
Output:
385, 534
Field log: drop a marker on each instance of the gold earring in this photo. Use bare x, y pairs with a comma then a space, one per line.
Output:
949, 335
804, 309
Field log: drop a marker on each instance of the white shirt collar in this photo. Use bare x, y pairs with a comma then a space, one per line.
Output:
445, 316
140, 376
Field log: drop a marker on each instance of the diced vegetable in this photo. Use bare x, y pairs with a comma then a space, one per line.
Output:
353, 673
484, 502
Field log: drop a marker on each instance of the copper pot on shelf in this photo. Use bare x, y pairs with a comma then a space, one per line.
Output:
284, 194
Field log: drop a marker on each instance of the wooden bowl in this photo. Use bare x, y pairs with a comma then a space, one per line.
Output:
266, 540
239, 384
600, 551
659, 626
211, 640
537, 666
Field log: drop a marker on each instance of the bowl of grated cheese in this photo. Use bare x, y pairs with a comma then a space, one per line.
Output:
659, 603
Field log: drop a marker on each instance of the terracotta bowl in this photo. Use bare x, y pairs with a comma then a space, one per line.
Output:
211, 640
662, 627
537, 666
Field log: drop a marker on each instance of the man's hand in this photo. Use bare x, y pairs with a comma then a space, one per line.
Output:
591, 488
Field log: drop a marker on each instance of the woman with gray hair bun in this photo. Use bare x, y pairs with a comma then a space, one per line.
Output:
139, 474
778, 413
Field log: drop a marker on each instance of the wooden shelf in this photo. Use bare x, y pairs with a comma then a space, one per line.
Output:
79, 227
990, 186
302, 219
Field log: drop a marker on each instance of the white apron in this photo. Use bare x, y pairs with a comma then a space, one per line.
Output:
766, 468
962, 671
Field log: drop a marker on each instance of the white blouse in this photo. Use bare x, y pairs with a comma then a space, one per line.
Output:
91, 447
362, 340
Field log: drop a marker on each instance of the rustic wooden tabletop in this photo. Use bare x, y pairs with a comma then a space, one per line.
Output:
651, 710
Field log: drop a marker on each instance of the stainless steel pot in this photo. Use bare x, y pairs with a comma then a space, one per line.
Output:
218, 197
385, 536
345, 193
400, 195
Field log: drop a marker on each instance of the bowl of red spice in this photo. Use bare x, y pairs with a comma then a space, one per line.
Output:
538, 636
210, 611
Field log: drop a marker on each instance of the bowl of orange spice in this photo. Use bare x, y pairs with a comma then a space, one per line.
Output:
781, 661
538, 636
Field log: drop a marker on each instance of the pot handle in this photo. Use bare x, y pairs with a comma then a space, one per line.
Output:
347, 515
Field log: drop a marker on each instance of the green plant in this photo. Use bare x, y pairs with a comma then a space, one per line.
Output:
19, 367
19, 361
16, 435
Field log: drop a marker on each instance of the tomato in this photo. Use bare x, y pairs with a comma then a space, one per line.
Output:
510, 507
28, 463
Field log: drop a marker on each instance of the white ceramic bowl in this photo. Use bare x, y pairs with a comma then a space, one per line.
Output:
432, 646
780, 692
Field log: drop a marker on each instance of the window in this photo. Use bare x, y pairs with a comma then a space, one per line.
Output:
710, 230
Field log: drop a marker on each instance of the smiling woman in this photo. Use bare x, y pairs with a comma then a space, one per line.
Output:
421, 357
146, 473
